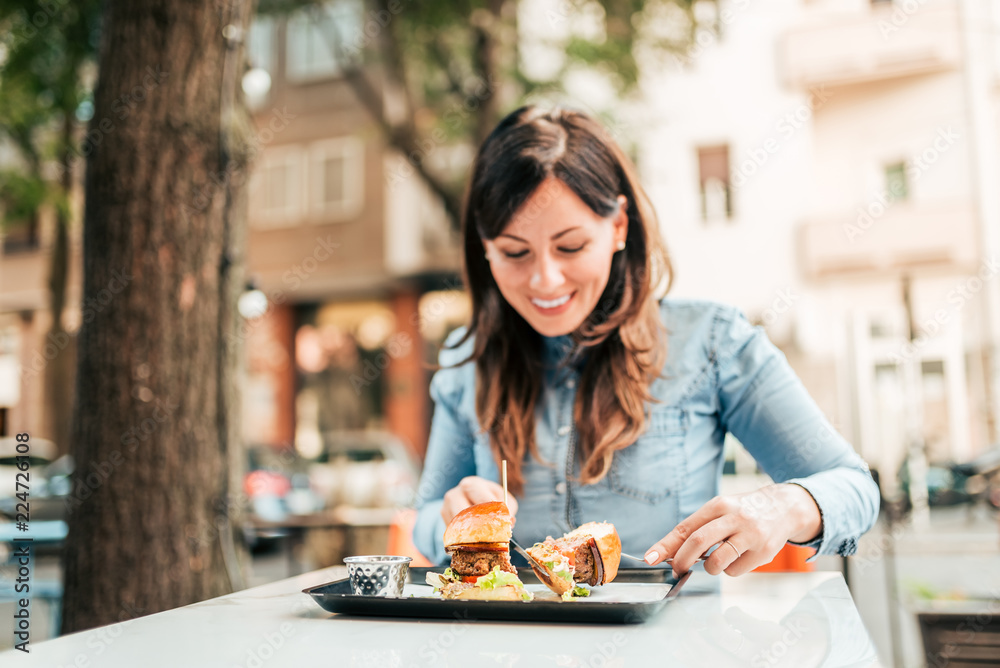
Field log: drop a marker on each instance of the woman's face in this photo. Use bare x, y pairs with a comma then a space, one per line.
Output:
553, 260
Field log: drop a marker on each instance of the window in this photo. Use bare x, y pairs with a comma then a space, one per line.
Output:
277, 190
337, 178
260, 44
713, 181
895, 181
21, 237
321, 41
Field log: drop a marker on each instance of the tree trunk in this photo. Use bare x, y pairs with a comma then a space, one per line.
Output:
155, 422
59, 372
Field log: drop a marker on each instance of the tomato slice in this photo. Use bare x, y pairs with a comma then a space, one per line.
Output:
471, 579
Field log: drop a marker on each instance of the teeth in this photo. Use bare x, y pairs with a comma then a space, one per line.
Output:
551, 304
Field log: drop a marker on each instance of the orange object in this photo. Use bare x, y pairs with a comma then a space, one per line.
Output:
791, 558
401, 537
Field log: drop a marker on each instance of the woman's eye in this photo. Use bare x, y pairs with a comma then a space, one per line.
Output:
573, 250
514, 256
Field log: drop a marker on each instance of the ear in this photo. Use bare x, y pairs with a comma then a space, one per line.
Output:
621, 220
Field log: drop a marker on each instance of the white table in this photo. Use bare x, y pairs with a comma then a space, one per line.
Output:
799, 619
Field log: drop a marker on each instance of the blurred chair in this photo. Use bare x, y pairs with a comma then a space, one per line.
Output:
961, 639
791, 558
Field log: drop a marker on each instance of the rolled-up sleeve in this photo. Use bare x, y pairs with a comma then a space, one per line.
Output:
764, 405
449, 455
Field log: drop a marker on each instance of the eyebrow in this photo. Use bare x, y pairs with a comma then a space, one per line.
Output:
554, 236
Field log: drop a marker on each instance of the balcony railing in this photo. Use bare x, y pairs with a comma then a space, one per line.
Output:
901, 236
880, 43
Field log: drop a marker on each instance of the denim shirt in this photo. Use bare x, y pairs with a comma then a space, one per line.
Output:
721, 375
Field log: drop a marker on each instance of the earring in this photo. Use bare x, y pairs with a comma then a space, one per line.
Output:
620, 245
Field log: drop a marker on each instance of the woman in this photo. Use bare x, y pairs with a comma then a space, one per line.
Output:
608, 403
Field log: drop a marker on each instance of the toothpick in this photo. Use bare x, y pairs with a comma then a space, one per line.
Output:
504, 466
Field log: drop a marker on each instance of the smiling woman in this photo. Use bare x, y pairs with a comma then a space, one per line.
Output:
571, 245
609, 401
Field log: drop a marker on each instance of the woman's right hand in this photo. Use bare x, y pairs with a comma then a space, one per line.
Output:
470, 491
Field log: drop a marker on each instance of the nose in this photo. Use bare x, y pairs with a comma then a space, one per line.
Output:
546, 274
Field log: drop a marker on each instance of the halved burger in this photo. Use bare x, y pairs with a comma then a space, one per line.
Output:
590, 553
478, 540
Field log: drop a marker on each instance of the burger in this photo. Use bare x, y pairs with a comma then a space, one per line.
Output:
478, 540
588, 554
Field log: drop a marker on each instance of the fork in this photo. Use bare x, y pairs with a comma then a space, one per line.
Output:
668, 560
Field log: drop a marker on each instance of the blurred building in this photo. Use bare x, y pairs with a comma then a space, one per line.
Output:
357, 259
354, 275
823, 163
26, 348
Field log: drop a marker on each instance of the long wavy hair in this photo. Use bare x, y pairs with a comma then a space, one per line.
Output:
621, 344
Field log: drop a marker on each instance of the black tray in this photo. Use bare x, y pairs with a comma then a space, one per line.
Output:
338, 597
418, 575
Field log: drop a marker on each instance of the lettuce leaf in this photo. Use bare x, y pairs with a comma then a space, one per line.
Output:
575, 592
562, 572
498, 578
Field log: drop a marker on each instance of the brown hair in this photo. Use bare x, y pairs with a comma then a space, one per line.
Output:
623, 336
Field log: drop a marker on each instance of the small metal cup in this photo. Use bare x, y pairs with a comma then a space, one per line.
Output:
378, 575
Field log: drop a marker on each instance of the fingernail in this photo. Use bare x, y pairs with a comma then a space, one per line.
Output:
651, 557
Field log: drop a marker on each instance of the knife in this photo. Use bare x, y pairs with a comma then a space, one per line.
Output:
540, 570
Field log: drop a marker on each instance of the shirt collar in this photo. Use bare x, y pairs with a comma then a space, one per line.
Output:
556, 350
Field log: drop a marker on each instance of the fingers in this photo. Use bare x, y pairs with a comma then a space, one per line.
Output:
480, 490
701, 541
470, 491
455, 501
668, 547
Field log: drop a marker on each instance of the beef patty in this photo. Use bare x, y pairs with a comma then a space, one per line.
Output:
583, 557
480, 563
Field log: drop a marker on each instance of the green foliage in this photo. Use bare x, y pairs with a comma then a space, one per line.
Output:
21, 195
431, 54
45, 51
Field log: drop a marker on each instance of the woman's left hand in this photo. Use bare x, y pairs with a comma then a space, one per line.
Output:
751, 528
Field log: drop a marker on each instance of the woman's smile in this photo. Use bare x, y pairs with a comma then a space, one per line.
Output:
553, 306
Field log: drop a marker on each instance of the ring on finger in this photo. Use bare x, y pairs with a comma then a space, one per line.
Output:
738, 553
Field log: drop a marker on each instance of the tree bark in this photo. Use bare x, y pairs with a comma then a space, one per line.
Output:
59, 372
155, 422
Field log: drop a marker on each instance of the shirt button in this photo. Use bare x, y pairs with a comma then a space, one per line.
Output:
561, 488
571, 383
563, 430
